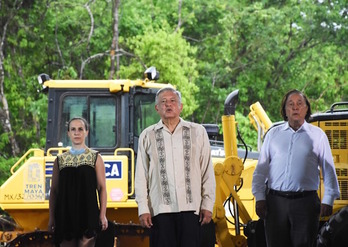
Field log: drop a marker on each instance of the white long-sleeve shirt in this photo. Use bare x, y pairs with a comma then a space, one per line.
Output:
174, 171
291, 161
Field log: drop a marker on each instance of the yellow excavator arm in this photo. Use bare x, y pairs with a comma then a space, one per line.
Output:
228, 174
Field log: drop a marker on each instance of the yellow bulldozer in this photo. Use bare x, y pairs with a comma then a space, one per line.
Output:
118, 110
234, 170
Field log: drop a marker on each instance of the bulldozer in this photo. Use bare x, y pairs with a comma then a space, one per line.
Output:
118, 110
234, 177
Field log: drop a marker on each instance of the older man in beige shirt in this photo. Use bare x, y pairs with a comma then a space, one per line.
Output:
174, 182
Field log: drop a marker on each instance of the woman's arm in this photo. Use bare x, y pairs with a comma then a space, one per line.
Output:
53, 196
101, 183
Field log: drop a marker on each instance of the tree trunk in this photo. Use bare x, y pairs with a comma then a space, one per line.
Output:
4, 110
179, 16
114, 44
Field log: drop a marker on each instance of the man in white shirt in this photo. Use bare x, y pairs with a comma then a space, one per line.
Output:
287, 177
174, 180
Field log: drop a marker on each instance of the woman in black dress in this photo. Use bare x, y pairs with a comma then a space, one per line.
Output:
77, 204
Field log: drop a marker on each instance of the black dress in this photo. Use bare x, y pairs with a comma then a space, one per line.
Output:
76, 209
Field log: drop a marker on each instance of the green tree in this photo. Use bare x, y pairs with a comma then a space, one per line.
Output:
265, 48
169, 53
205, 48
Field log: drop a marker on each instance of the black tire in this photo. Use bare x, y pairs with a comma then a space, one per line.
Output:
334, 233
32, 239
255, 232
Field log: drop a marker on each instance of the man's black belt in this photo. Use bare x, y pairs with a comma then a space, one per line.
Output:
291, 194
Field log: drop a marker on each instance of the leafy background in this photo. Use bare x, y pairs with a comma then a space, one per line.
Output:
206, 48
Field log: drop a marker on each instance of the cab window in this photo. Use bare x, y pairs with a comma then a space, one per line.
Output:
145, 113
99, 111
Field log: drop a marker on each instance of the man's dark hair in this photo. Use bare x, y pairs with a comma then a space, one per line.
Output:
285, 99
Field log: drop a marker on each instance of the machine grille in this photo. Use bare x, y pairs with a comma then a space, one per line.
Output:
337, 133
342, 175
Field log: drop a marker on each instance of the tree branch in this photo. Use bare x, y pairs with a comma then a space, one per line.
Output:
179, 16
57, 44
98, 55
114, 43
119, 52
86, 6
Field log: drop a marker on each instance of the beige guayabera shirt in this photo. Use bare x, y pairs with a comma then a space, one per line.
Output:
174, 171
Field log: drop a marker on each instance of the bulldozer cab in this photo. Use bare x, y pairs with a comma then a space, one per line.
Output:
116, 116
117, 111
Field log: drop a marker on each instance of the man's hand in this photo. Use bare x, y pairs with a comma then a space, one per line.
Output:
261, 209
326, 210
145, 220
205, 216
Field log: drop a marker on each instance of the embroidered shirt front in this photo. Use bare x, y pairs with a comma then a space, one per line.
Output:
174, 171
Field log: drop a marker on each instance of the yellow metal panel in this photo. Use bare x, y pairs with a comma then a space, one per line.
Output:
26, 185
113, 85
25, 194
116, 168
337, 133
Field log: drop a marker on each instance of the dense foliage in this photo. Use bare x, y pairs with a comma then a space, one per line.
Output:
206, 48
